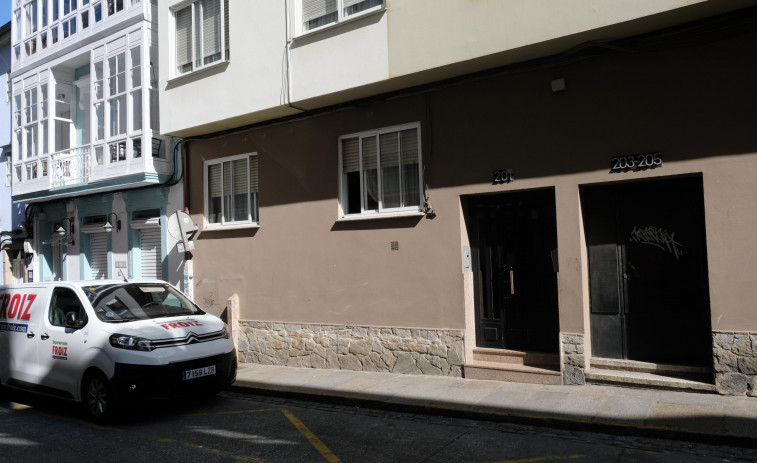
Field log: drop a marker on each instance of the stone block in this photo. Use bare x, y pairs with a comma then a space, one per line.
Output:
725, 362
316, 361
456, 353
742, 345
731, 383
748, 365
405, 364
360, 347
722, 340
573, 375
752, 386
427, 368
350, 362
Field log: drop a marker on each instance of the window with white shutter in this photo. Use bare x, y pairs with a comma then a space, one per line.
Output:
381, 171
315, 14
201, 34
231, 191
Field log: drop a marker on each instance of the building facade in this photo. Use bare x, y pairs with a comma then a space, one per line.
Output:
11, 216
97, 178
487, 189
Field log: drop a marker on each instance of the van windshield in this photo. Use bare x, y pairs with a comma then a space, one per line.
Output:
118, 303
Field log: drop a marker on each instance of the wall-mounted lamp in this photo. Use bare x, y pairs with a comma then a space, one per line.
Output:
66, 227
108, 226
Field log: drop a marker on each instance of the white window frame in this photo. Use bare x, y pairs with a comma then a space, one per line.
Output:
380, 210
252, 192
341, 15
197, 57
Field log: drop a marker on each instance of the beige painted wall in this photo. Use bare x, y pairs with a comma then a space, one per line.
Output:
693, 104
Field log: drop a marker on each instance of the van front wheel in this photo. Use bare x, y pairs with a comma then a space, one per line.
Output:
97, 397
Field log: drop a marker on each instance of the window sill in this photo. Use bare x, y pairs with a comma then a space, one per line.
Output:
217, 228
199, 72
392, 215
303, 35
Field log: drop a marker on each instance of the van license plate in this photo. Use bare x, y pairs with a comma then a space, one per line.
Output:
199, 372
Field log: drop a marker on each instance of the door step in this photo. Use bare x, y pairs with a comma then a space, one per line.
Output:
651, 375
514, 366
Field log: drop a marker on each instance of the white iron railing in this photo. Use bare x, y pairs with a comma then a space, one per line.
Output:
70, 167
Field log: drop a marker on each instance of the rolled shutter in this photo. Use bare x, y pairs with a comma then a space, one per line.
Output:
149, 247
211, 30
183, 38
98, 259
350, 155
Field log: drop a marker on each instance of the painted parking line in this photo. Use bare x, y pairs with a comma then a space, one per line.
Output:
314, 440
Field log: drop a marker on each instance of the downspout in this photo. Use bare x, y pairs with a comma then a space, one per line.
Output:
287, 71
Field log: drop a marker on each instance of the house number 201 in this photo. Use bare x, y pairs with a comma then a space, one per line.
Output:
502, 176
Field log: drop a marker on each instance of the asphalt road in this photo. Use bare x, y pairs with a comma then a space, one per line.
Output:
240, 427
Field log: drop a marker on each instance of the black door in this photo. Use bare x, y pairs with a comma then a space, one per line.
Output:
649, 292
514, 242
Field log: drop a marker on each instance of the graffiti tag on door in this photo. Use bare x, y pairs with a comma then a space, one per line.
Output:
661, 238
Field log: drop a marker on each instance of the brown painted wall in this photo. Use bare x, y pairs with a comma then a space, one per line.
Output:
694, 103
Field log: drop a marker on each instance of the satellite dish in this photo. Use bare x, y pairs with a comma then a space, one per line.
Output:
180, 224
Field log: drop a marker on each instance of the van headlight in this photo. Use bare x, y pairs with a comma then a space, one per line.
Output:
127, 341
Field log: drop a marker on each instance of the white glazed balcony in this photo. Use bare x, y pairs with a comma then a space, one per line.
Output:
70, 167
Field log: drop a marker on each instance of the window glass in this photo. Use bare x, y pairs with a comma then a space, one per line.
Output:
130, 301
201, 35
232, 189
63, 302
381, 171
319, 13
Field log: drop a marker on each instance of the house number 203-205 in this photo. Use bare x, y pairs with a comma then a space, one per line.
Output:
633, 162
502, 176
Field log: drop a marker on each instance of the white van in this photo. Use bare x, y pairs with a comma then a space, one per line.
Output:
98, 342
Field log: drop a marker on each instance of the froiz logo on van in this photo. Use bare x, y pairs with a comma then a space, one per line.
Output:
179, 324
60, 350
12, 306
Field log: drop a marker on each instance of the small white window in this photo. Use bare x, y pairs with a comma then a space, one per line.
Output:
380, 171
8, 170
201, 34
319, 13
231, 191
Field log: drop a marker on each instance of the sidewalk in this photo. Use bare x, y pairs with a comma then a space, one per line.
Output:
649, 412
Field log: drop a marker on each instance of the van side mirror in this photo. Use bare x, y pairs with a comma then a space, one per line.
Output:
72, 321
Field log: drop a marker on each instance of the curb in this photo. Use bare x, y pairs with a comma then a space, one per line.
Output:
538, 420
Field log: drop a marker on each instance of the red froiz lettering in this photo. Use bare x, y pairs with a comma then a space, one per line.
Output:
182, 324
60, 351
12, 306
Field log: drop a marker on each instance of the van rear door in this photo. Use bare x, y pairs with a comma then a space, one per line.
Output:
20, 309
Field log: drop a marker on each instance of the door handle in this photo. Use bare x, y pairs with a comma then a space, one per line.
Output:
512, 282
45, 336
30, 334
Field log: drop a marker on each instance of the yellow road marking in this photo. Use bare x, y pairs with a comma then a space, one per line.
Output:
220, 453
314, 440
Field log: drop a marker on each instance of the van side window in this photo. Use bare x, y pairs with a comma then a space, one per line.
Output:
64, 300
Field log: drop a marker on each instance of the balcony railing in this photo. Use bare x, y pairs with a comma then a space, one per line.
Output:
70, 167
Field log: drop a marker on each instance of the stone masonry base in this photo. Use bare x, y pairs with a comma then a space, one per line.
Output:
735, 363
573, 358
360, 348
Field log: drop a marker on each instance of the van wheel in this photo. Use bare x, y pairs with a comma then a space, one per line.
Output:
97, 397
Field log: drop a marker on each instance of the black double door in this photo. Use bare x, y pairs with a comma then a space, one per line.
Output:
514, 252
648, 285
